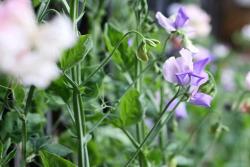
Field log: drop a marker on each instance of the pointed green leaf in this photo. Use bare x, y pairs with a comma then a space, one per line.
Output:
124, 55
52, 160
130, 108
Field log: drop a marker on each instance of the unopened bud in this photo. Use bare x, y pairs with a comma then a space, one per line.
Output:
142, 52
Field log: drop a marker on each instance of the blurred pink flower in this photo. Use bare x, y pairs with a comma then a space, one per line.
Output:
29, 51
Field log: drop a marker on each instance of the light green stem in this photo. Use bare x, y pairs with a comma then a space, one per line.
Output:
83, 158
24, 124
162, 114
106, 60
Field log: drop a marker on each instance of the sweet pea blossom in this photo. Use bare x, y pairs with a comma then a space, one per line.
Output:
174, 22
184, 72
29, 51
199, 21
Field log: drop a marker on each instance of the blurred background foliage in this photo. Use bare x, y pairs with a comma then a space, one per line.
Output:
215, 137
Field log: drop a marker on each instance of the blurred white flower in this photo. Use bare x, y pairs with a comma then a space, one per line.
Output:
248, 80
29, 51
199, 21
220, 50
202, 53
245, 31
228, 79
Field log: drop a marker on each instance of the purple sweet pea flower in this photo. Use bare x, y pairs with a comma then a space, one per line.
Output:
201, 99
174, 22
180, 111
183, 71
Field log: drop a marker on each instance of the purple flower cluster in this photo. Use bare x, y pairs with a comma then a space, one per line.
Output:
188, 70
184, 72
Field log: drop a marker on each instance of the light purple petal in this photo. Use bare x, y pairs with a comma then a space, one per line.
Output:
196, 79
181, 19
185, 62
183, 78
200, 65
170, 68
180, 111
201, 99
165, 22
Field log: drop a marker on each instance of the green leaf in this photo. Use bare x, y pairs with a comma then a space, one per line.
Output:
130, 108
7, 158
77, 53
36, 2
57, 149
52, 160
124, 55
11, 126
19, 94
35, 122
59, 88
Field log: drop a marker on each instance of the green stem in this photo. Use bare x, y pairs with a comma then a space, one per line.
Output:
139, 125
79, 128
83, 158
162, 134
106, 60
159, 120
24, 124
131, 138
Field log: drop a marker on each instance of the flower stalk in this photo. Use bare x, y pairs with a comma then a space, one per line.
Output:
83, 158
24, 124
162, 118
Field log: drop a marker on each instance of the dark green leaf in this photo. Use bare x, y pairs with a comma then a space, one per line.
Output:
59, 88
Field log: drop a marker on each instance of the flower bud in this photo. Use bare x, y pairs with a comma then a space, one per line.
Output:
210, 86
142, 52
152, 42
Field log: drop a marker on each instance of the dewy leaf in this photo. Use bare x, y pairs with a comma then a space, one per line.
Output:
77, 53
52, 160
130, 108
